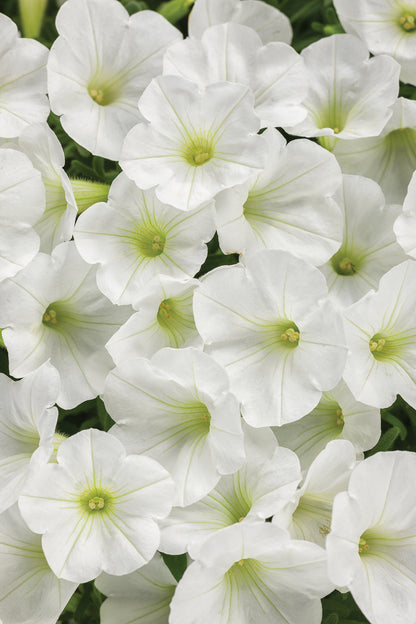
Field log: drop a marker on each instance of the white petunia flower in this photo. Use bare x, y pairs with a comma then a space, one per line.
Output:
386, 27
253, 573
369, 248
288, 206
269, 23
405, 225
97, 507
53, 310
235, 53
30, 593
196, 143
141, 597
337, 416
23, 98
134, 238
178, 409
270, 325
308, 515
164, 318
56, 225
381, 335
100, 65
350, 96
27, 427
22, 202
390, 158
372, 545
254, 493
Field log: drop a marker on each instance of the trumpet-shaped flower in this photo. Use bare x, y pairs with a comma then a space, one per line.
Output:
235, 53
270, 325
196, 143
57, 222
134, 238
23, 98
252, 573
140, 597
178, 409
165, 318
22, 202
308, 515
30, 592
405, 224
372, 544
257, 491
386, 27
97, 507
369, 248
27, 427
337, 416
288, 206
381, 335
100, 65
53, 310
350, 96
269, 23
389, 159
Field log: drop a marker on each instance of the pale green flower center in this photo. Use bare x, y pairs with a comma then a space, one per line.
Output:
340, 417
165, 312
198, 150
103, 92
344, 264
50, 317
150, 241
363, 546
407, 22
287, 334
96, 500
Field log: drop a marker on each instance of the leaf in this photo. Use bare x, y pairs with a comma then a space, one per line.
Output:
386, 441
395, 422
177, 564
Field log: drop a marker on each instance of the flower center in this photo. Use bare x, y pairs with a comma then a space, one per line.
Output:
150, 242
165, 312
407, 22
198, 151
377, 345
50, 317
340, 417
103, 93
343, 264
97, 502
363, 546
291, 335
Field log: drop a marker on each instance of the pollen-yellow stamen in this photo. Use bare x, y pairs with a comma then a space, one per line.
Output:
97, 95
96, 503
50, 316
291, 335
340, 417
363, 546
407, 22
241, 562
377, 345
336, 130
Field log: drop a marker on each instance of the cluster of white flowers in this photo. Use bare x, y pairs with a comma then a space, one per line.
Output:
243, 400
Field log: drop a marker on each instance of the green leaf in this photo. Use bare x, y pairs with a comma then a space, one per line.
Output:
386, 441
177, 564
331, 619
395, 422
104, 418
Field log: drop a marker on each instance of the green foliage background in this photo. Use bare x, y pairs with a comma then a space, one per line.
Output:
311, 20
